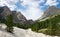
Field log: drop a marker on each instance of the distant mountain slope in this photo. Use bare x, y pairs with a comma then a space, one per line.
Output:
52, 10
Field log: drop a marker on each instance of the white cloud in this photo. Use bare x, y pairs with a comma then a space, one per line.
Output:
31, 2
32, 12
51, 2
9, 3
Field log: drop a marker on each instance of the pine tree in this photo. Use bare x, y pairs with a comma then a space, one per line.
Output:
9, 23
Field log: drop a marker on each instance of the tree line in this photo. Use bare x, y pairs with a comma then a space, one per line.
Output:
52, 25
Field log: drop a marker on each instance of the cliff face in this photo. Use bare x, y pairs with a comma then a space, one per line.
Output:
18, 17
52, 10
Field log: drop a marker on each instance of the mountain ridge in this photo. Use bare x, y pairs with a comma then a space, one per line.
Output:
18, 17
51, 11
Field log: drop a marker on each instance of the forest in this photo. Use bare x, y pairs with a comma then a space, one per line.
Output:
49, 26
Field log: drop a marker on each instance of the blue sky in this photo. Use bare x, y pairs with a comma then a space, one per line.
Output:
31, 9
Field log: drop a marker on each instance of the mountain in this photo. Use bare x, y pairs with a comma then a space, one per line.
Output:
4, 11
30, 22
52, 10
18, 17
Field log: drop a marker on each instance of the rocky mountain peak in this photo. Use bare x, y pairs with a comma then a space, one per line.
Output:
4, 11
18, 17
5, 7
53, 7
52, 10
